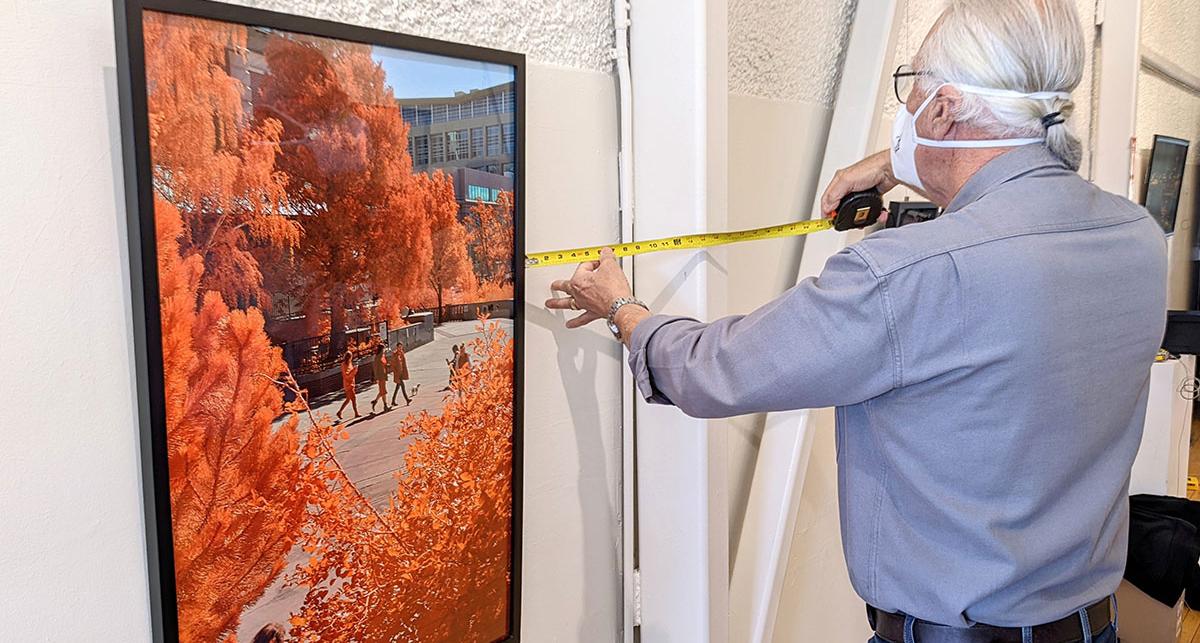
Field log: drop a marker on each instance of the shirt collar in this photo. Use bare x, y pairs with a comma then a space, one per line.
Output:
1004, 168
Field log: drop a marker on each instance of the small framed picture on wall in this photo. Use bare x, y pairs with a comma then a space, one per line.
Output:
326, 226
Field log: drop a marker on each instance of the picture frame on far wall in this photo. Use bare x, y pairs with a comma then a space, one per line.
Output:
325, 231
1164, 180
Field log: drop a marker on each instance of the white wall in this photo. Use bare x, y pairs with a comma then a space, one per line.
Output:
71, 534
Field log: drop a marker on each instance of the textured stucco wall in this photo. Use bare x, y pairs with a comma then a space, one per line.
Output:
788, 49
72, 534
1169, 28
571, 33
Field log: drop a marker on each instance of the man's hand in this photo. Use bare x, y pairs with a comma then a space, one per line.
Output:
593, 288
875, 171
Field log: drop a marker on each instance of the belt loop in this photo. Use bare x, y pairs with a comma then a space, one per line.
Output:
1026, 634
1087, 626
909, 637
1116, 623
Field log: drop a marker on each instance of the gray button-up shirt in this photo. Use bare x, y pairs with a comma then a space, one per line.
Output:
990, 371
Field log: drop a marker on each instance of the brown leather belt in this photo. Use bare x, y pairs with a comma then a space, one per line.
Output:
1068, 629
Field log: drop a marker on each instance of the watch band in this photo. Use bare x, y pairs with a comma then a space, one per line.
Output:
618, 304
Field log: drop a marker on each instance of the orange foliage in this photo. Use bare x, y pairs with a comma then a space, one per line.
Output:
491, 233
315, 197
349, 175
217, 171
435, 564
450, 267
235, 510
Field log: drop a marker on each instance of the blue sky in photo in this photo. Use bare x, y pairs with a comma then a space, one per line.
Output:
418, 75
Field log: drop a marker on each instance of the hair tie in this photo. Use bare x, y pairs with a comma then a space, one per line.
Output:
1052, 119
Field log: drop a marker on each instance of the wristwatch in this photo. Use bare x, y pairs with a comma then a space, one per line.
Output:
617, 305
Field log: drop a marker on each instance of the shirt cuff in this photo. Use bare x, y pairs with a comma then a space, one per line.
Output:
639, 344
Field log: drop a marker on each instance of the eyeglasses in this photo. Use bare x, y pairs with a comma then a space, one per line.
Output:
903, 80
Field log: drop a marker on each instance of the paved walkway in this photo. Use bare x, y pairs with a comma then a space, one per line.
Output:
374, 452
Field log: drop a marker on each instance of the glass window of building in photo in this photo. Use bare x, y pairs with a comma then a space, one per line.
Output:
493, 140
477, 150
510, 138
437, 149
422, 147
464, 145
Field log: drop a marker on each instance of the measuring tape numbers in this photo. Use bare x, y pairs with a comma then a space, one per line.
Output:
686, 242
856, 210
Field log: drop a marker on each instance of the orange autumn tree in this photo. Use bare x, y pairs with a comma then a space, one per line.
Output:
491, 233
214, 167
236, 481
344, 150
450, 267
433, 565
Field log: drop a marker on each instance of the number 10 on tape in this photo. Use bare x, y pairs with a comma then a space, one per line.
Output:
691, 241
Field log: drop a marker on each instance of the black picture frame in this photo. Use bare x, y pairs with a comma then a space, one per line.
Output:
135, 141
1166, 220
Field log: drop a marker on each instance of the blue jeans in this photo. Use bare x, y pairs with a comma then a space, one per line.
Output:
1109, 635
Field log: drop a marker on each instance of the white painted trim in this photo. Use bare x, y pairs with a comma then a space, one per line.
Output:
678, 61
716, 191
779, 472
1116, 114
626, 519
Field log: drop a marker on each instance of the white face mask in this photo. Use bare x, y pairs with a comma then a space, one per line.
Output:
905, 139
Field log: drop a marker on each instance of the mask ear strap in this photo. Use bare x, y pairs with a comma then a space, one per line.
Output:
987, 91
1008, 93
1001, 142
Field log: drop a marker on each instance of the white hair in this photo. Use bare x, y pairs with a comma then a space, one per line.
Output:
1020, 45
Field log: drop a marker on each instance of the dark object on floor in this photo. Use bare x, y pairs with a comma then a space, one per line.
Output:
1164, 547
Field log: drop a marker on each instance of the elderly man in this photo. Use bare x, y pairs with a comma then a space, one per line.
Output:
990, 368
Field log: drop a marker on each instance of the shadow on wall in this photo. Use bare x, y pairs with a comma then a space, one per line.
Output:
579, 352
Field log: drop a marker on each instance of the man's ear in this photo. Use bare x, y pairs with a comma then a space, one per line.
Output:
940, 120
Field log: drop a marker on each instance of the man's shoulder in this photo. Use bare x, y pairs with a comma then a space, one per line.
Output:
1009, 211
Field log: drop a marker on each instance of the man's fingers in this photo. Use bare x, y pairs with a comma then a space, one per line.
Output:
833, 193
562, 285
582, 320
560, 303
584, 268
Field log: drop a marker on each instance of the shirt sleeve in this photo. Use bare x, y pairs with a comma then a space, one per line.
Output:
828, 341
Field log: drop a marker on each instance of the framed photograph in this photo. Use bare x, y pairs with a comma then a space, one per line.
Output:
1164, 180
325, 227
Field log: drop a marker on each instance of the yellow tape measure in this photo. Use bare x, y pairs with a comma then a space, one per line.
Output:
691, 241
856, 210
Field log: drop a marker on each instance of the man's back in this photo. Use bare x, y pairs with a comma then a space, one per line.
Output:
990, 370
990, 484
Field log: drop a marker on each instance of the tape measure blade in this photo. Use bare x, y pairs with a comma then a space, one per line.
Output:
691, 241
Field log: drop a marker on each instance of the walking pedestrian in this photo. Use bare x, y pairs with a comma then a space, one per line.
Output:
349, 371
270, 633
461, 359
399, 367
379, 372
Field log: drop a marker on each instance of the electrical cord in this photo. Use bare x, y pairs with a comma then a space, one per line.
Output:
1189, 388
